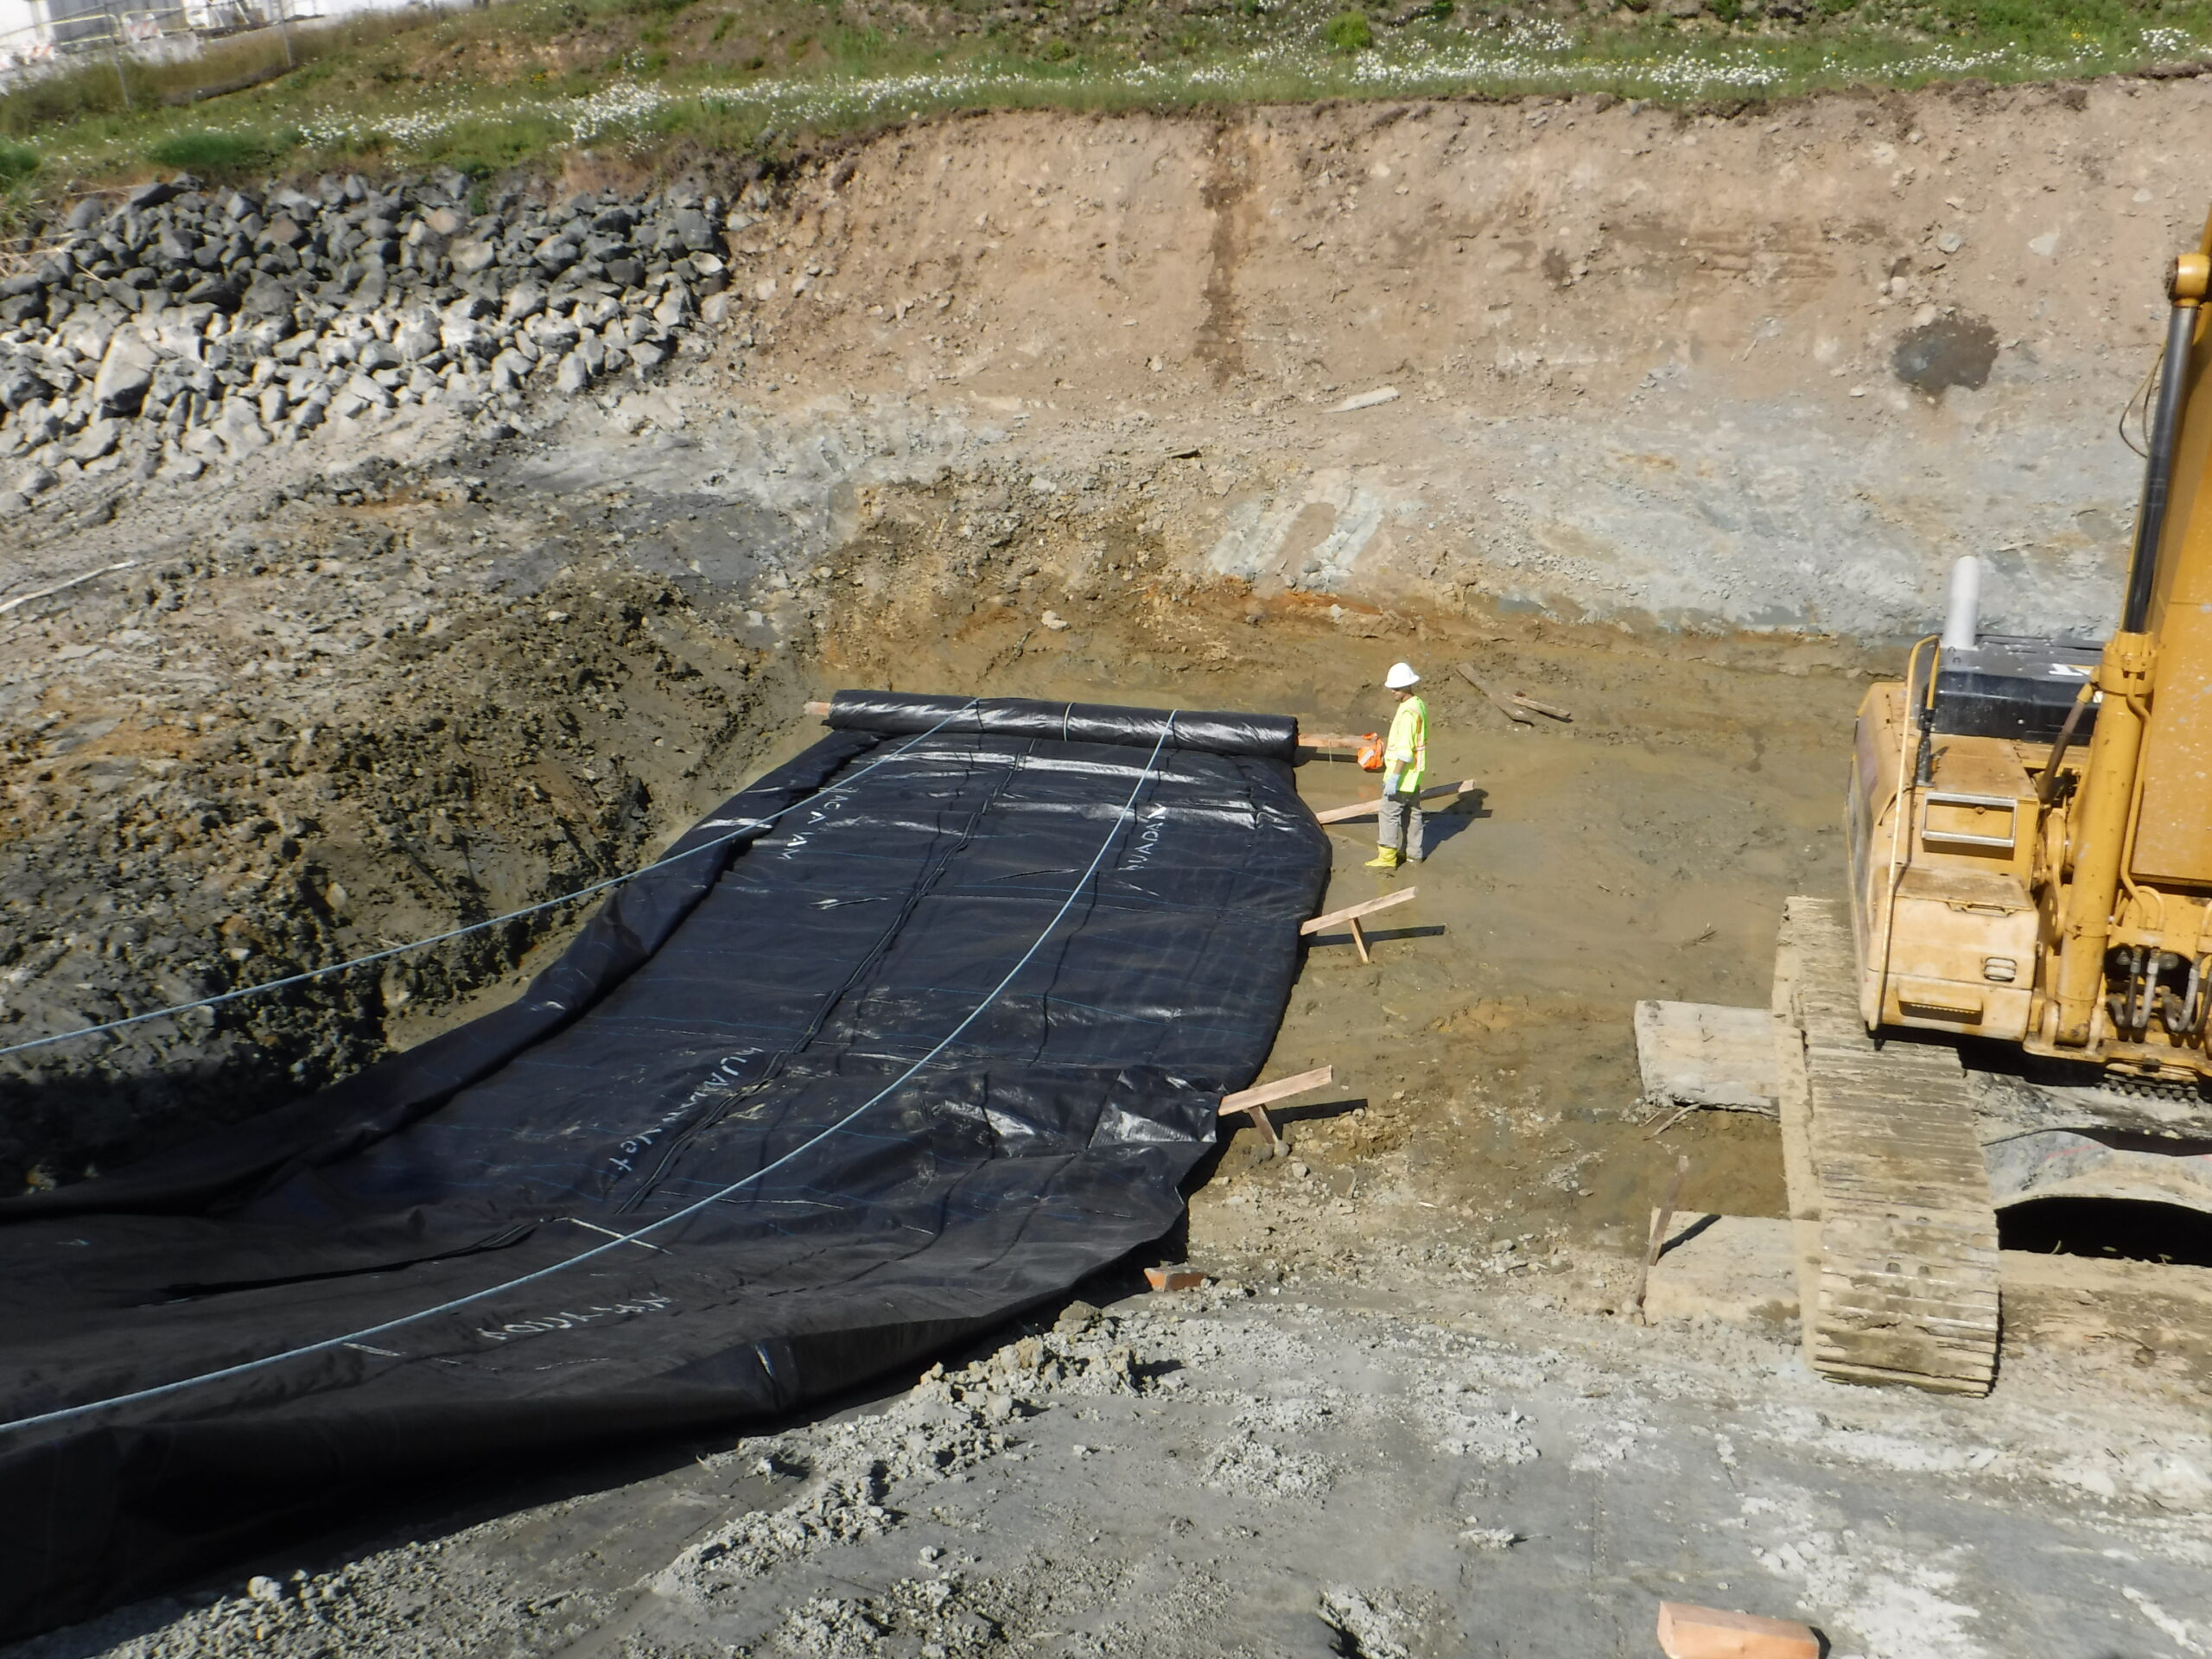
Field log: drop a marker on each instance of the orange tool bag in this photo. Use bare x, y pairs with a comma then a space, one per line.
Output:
1371, 752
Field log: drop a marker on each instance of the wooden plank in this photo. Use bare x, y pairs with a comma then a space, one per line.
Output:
817, 707
1366, 907
1282, 1089
1794, 1100
1503, 705
1363, 808
1335, 740
1524, 700
1705, 1054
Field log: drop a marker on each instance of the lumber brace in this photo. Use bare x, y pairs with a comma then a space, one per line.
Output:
1352, 914
1256, 1100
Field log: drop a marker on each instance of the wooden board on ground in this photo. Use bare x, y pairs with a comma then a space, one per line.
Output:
1522, 700
1504, 705
1367, 809
1741, 1270
1706, 1054
1908, 1273
1793, 1098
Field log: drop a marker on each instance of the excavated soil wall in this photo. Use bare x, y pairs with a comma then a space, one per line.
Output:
1769, 371
1222, 411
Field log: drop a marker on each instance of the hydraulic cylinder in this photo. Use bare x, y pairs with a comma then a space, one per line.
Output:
2098, 830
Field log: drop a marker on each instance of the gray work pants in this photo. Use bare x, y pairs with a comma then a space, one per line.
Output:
1401, 823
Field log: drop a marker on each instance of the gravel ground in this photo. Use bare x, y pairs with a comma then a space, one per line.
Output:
1446, 1463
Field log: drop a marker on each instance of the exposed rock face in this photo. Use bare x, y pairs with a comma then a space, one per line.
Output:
210, 325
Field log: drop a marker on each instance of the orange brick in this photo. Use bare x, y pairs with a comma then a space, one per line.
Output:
1173, 1278
1687, 1632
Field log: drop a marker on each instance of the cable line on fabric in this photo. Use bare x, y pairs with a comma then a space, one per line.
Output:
749, 827
1145, 774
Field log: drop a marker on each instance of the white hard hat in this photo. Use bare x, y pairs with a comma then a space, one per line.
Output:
1400, 675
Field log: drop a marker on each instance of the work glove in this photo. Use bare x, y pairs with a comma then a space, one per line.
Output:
1391, 774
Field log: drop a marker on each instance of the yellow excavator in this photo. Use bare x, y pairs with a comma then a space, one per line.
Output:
2030, 841
2031, 820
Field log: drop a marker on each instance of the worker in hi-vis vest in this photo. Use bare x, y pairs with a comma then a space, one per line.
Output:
1405, 765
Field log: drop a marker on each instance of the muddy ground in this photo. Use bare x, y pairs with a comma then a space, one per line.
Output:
495, 728
407, 675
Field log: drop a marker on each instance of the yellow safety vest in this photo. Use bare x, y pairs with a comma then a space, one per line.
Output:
1409, 744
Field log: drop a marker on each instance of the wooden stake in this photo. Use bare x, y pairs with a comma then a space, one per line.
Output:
1659, 1232
1359, 941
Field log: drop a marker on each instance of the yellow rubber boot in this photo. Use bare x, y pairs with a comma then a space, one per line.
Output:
1388, 858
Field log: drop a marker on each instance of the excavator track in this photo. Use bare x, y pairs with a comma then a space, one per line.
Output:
1896, 1234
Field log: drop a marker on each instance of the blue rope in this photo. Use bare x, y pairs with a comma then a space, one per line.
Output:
751, 826
245, 1367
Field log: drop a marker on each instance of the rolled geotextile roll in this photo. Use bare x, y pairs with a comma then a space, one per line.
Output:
1273, 737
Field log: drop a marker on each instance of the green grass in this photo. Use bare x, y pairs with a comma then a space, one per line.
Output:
515, 85
1349, 31
219, 155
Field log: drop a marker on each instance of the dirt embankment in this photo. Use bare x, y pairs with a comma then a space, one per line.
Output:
1774, 371
303, 741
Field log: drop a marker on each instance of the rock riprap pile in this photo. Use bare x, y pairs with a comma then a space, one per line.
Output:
185, 327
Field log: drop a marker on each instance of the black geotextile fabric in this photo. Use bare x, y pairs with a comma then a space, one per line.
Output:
716, 1015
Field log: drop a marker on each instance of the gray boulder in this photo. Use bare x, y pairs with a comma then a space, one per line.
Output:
695, 231
97, 440
19, 386
673, 309
125, 373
